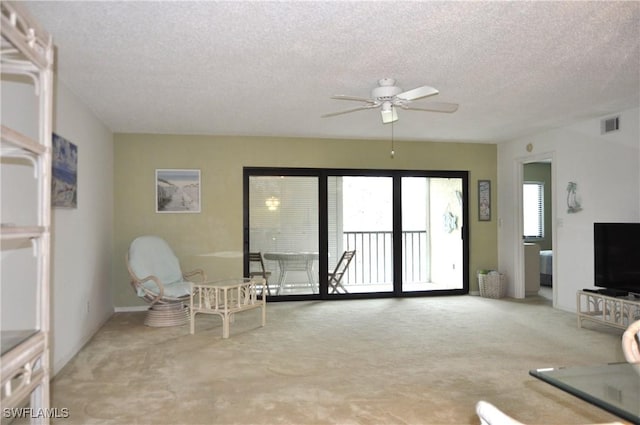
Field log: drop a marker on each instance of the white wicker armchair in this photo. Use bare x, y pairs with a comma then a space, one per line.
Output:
491, 415
157, 278
631, 343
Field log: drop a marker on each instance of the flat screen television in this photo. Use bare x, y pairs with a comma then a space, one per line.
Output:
617, 256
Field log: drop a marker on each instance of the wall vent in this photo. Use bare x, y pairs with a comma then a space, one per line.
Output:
608, 125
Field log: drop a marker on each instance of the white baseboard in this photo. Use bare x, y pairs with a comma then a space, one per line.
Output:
131, 309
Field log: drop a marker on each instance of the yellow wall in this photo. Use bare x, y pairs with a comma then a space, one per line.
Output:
212, 239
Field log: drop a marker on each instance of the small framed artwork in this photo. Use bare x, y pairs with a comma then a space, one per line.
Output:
484, 200
177, 191
64, 173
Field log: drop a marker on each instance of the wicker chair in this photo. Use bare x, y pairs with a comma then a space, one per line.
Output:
157, 278
631, 343
491, 415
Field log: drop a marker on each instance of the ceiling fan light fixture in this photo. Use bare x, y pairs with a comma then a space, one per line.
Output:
388, 113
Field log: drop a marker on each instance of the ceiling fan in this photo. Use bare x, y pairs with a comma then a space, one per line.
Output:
387, 96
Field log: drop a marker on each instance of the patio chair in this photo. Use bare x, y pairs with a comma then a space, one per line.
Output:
157, 278
631, 343
256, 257
335, 278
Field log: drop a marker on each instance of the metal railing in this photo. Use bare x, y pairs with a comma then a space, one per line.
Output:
373, 262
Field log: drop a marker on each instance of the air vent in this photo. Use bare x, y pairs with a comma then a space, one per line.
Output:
610, 124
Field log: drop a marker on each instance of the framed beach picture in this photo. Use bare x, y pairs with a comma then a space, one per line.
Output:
484, 200
177, 191
64, 182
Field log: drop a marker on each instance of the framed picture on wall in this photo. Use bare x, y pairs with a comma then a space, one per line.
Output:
64, 181
484, 200
177, 191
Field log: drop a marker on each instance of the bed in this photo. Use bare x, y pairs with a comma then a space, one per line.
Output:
546, 267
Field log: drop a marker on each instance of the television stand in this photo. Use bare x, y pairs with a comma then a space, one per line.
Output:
613, 292
614, 311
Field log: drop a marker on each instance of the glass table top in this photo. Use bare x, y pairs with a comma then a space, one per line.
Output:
11, 339
614, 387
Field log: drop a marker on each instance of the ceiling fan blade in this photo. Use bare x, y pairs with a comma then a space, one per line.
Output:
417, 93
359, 108
435, 107
356, 98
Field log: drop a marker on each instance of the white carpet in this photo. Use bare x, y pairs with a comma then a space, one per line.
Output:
384, 361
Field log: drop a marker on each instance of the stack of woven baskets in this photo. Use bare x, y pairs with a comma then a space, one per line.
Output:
492, 284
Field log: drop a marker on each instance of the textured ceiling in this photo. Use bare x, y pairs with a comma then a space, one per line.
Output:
269, 68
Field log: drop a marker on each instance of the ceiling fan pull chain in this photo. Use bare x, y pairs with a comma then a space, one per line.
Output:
393, 151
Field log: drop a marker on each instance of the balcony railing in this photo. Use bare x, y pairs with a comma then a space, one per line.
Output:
373, 263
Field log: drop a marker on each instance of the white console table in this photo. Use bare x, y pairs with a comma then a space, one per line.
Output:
225, 298
612, 311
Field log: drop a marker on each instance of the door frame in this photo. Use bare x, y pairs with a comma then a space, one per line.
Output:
518, 245
397, 175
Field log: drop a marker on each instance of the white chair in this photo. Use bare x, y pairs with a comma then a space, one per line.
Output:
631, 342
157, 278
491, 415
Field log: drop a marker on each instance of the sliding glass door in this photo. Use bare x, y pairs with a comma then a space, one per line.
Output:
432, 241
406, 231
283, 213
360, 217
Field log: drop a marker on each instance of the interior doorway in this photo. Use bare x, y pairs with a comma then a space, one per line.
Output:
537, 227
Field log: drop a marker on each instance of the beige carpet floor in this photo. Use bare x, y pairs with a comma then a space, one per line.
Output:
383, 361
